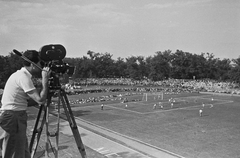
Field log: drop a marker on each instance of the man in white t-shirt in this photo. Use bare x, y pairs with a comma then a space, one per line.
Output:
18, 90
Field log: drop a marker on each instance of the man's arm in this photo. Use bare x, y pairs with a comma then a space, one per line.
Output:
40, 97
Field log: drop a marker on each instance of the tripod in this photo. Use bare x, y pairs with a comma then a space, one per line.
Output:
62, 98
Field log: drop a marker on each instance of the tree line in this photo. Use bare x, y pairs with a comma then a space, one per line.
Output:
160, 66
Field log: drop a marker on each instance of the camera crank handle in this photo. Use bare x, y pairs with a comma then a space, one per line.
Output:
25, 58
17, 52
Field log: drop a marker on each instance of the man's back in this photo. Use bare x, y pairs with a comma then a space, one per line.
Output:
14, 95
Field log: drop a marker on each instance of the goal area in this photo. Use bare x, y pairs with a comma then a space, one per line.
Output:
152, 96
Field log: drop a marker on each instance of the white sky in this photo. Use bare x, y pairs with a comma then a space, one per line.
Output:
122, 27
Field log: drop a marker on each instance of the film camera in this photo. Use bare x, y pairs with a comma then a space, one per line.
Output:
52, 56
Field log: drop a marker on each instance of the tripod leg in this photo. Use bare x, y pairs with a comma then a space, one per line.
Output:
72, 123
48, 144
38, 131
58, 124
47, 133
47, 139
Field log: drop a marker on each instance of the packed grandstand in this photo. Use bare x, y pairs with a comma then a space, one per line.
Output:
125, 85
147, 85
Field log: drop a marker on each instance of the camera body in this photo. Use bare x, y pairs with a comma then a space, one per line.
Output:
52, 56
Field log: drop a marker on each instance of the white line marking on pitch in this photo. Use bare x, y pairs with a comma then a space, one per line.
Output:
123, 109
188, 107
160, 111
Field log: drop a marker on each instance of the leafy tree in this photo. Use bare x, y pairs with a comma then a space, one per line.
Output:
160, 66
235, 71
200, 66
120, 68
223, 68
83, 68
181, 65
13, 63
104, 65
211, 65
3, 73
133, 69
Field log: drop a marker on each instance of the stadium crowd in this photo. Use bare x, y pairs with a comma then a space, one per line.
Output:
171, 85
133, 87
129, 87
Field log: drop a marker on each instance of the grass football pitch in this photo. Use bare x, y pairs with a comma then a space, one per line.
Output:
193, 125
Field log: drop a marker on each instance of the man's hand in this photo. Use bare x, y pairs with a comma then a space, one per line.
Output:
46, 72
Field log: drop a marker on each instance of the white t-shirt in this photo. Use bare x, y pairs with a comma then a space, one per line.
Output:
15, 91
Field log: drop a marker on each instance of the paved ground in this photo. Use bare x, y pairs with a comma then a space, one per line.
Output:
99, 142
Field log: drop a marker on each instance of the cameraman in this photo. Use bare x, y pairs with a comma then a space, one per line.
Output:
13, 116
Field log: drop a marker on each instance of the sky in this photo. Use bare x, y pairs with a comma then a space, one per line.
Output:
123, 28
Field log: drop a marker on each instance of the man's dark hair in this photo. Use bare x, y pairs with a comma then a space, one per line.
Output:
31, 55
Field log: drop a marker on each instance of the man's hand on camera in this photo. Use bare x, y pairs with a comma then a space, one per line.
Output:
46, 74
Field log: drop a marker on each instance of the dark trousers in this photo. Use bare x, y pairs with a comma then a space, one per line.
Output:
14, 139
